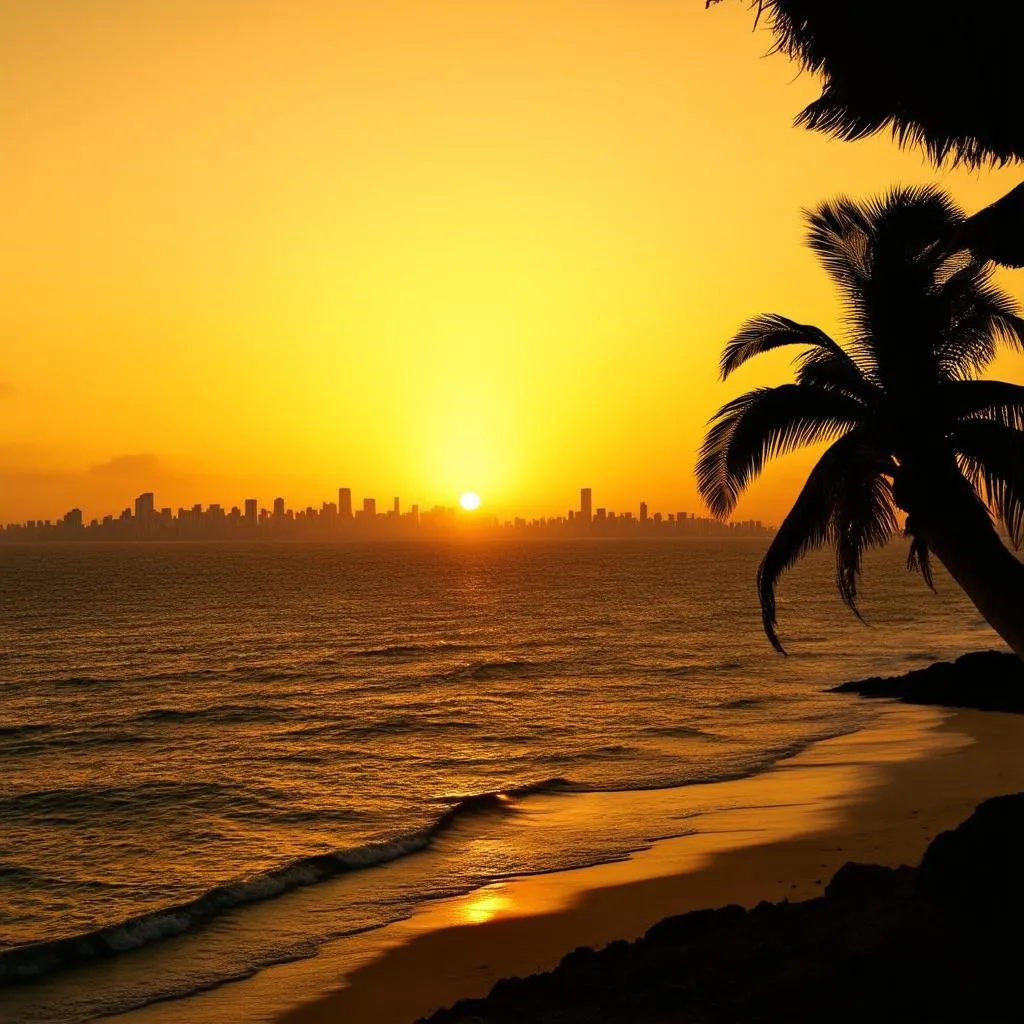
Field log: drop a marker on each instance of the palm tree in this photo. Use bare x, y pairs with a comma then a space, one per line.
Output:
907, 424
944, 77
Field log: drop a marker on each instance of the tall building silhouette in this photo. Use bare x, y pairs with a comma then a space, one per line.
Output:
279, 508
586, 504
369, 508
345, 502
251, 510
397, 508
643, 511
144, 506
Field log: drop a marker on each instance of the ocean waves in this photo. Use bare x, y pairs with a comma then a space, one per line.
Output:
30, 962
207, 728
404, 651
488, 671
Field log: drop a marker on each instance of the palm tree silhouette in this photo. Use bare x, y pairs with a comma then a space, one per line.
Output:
908, 427
946, 78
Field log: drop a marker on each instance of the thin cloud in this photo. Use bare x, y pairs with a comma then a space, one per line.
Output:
128, 466
34, 484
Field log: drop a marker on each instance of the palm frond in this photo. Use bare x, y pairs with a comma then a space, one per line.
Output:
822, 368
844, 501
839, 233
864, 516
973, 325
805, 528
852, 116
762, 424
991, 455
882, 253
916, 309
855, 239
952, 263
905, 224
997, 231
887, 66
995, 400
770, 331
919, 559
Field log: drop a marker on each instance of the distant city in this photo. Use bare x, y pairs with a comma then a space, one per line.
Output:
342, 521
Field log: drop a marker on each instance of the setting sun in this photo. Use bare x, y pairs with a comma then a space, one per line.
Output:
470, 501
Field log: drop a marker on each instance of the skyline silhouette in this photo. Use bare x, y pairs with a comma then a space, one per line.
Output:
344, 520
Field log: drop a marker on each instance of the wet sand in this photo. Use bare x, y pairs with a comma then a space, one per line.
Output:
877, 796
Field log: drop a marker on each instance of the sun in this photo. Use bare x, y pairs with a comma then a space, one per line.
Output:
470, 501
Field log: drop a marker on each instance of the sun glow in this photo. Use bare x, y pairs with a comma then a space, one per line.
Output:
470, 501
525, 230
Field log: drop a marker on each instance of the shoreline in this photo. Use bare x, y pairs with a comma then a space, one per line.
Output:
878, 795
879, 805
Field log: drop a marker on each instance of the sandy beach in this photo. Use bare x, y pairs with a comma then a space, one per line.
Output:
878, 796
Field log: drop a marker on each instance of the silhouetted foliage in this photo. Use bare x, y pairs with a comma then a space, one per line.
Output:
896, 402
997, 231
946, 76
943, 76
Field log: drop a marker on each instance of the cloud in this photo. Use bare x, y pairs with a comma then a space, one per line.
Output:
129, 466
34, 484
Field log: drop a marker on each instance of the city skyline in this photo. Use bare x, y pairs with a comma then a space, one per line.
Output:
145, 520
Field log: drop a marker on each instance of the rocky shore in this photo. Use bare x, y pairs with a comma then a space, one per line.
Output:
818, 921
939, 942
985, 680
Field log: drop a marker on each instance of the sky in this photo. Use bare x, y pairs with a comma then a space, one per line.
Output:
414, 247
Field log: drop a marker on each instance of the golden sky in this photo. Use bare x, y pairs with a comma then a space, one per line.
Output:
261, 247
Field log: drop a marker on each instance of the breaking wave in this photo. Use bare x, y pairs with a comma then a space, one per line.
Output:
30, 962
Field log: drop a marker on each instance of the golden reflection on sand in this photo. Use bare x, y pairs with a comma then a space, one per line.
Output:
486, 904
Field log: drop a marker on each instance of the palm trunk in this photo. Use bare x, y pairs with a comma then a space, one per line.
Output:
958, 529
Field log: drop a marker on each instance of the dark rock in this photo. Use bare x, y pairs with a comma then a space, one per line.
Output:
579, 957
693, 926
868, 881
509, 988
618, 948
976, 871
668, 998
986, 680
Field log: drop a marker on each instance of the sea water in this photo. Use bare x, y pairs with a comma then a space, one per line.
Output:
191, 735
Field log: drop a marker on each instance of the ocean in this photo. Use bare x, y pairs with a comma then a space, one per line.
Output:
196, 738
